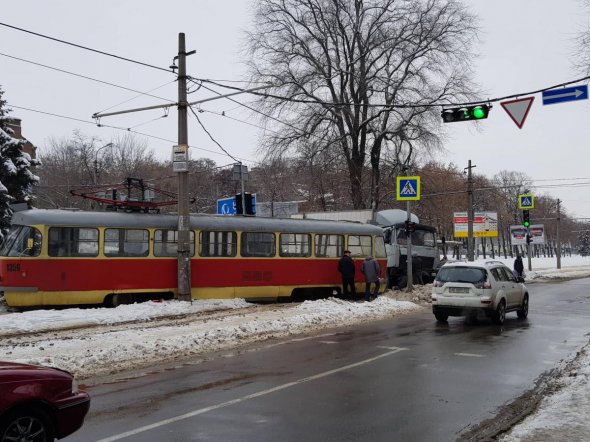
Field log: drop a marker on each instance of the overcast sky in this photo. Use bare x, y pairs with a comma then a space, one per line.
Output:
524, 45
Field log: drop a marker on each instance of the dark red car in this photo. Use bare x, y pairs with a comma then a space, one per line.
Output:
39, 404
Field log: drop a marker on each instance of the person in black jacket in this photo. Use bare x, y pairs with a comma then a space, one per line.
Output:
346, 268
518, 266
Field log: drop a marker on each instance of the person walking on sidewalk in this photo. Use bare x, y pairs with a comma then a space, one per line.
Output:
346, 268
371, 270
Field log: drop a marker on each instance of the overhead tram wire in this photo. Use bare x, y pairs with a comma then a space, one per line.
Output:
87, 48
126, 129
393, 106
211, 136
301, 131
91, 78
403, 106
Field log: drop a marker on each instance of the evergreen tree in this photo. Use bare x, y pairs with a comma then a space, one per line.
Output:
16, 178
584, 243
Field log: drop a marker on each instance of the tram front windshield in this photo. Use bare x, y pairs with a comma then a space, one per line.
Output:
21, 241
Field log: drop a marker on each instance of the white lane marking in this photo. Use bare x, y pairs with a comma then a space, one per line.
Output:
247, 397
472, 355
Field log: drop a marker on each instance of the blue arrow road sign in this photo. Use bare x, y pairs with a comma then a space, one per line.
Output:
226, 206
562, 95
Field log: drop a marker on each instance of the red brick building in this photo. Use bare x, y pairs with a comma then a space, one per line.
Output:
14, 124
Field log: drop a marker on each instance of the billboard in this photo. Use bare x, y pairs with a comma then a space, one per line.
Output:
518, 234
485, 224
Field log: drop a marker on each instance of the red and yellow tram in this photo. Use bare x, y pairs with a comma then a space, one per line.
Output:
61, 257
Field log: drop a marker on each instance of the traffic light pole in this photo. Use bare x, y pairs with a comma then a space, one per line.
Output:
470, 254
243, 194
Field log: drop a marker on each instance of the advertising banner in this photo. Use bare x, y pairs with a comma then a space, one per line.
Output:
485, 224
518, 234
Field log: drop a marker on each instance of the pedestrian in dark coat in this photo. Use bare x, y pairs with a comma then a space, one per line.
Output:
346, 268
370, 268
518, 266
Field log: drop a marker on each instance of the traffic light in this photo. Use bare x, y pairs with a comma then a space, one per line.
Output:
466, 113
248, 201
525, 219
409, 226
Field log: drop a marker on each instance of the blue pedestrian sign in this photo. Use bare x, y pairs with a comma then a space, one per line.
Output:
407, 188
526, 201
565, 94
226, 206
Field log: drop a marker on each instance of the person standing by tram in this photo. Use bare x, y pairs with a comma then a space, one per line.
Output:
346, 268
371, 270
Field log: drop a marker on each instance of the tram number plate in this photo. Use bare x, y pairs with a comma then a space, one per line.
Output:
13, 267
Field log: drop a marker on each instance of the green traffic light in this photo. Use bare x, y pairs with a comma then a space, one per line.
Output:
478, 113
526, 223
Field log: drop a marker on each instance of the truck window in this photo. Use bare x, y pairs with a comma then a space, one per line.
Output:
380, 248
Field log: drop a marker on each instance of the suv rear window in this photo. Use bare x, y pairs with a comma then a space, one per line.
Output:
471, 275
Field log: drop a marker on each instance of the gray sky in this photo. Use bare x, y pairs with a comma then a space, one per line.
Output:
525, 45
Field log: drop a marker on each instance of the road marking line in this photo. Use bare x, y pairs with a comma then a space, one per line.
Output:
249, 396
472, 355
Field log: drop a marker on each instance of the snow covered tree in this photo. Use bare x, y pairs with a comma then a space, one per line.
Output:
584, 243
16, 178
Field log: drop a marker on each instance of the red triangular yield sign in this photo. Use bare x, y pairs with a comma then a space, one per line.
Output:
518, 109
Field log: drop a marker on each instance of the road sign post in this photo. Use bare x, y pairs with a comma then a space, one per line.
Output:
408, 189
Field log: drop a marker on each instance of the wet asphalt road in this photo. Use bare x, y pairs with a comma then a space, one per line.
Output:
402, 379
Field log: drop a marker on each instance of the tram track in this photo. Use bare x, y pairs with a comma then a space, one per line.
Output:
25, 338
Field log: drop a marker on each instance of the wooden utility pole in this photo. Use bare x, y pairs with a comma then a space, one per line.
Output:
180, 163
184, 249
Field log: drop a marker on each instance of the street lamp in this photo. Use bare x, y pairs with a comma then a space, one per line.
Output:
96, 161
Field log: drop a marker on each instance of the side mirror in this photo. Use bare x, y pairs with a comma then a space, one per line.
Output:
520, 279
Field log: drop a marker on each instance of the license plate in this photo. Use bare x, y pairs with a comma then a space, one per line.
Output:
458, 290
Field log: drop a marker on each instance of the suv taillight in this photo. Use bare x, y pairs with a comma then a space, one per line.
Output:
483, 285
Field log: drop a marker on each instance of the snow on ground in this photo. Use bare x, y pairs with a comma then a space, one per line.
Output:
138, 343
99, 341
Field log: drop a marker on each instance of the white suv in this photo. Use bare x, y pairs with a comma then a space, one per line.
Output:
467, 288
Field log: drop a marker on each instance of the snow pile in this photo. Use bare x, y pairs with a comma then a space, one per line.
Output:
564, 415
45, 320
137, 344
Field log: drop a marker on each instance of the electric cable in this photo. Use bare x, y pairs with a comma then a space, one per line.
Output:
90, 78
86, 48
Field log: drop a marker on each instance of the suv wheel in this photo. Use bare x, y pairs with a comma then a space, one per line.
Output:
523, 311
441, 317
500, 314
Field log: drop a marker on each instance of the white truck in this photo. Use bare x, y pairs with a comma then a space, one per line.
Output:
425, 253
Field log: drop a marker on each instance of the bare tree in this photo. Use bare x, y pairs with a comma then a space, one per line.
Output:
360, 77
81, 161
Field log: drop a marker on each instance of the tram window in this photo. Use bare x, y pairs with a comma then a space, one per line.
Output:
166, 243
72, 241
380, 248
21, 241
213, 243
329, 246
258, 244
126, 242
359, 245
295, 244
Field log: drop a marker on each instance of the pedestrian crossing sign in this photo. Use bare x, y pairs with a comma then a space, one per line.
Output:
408, 188
526, 201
